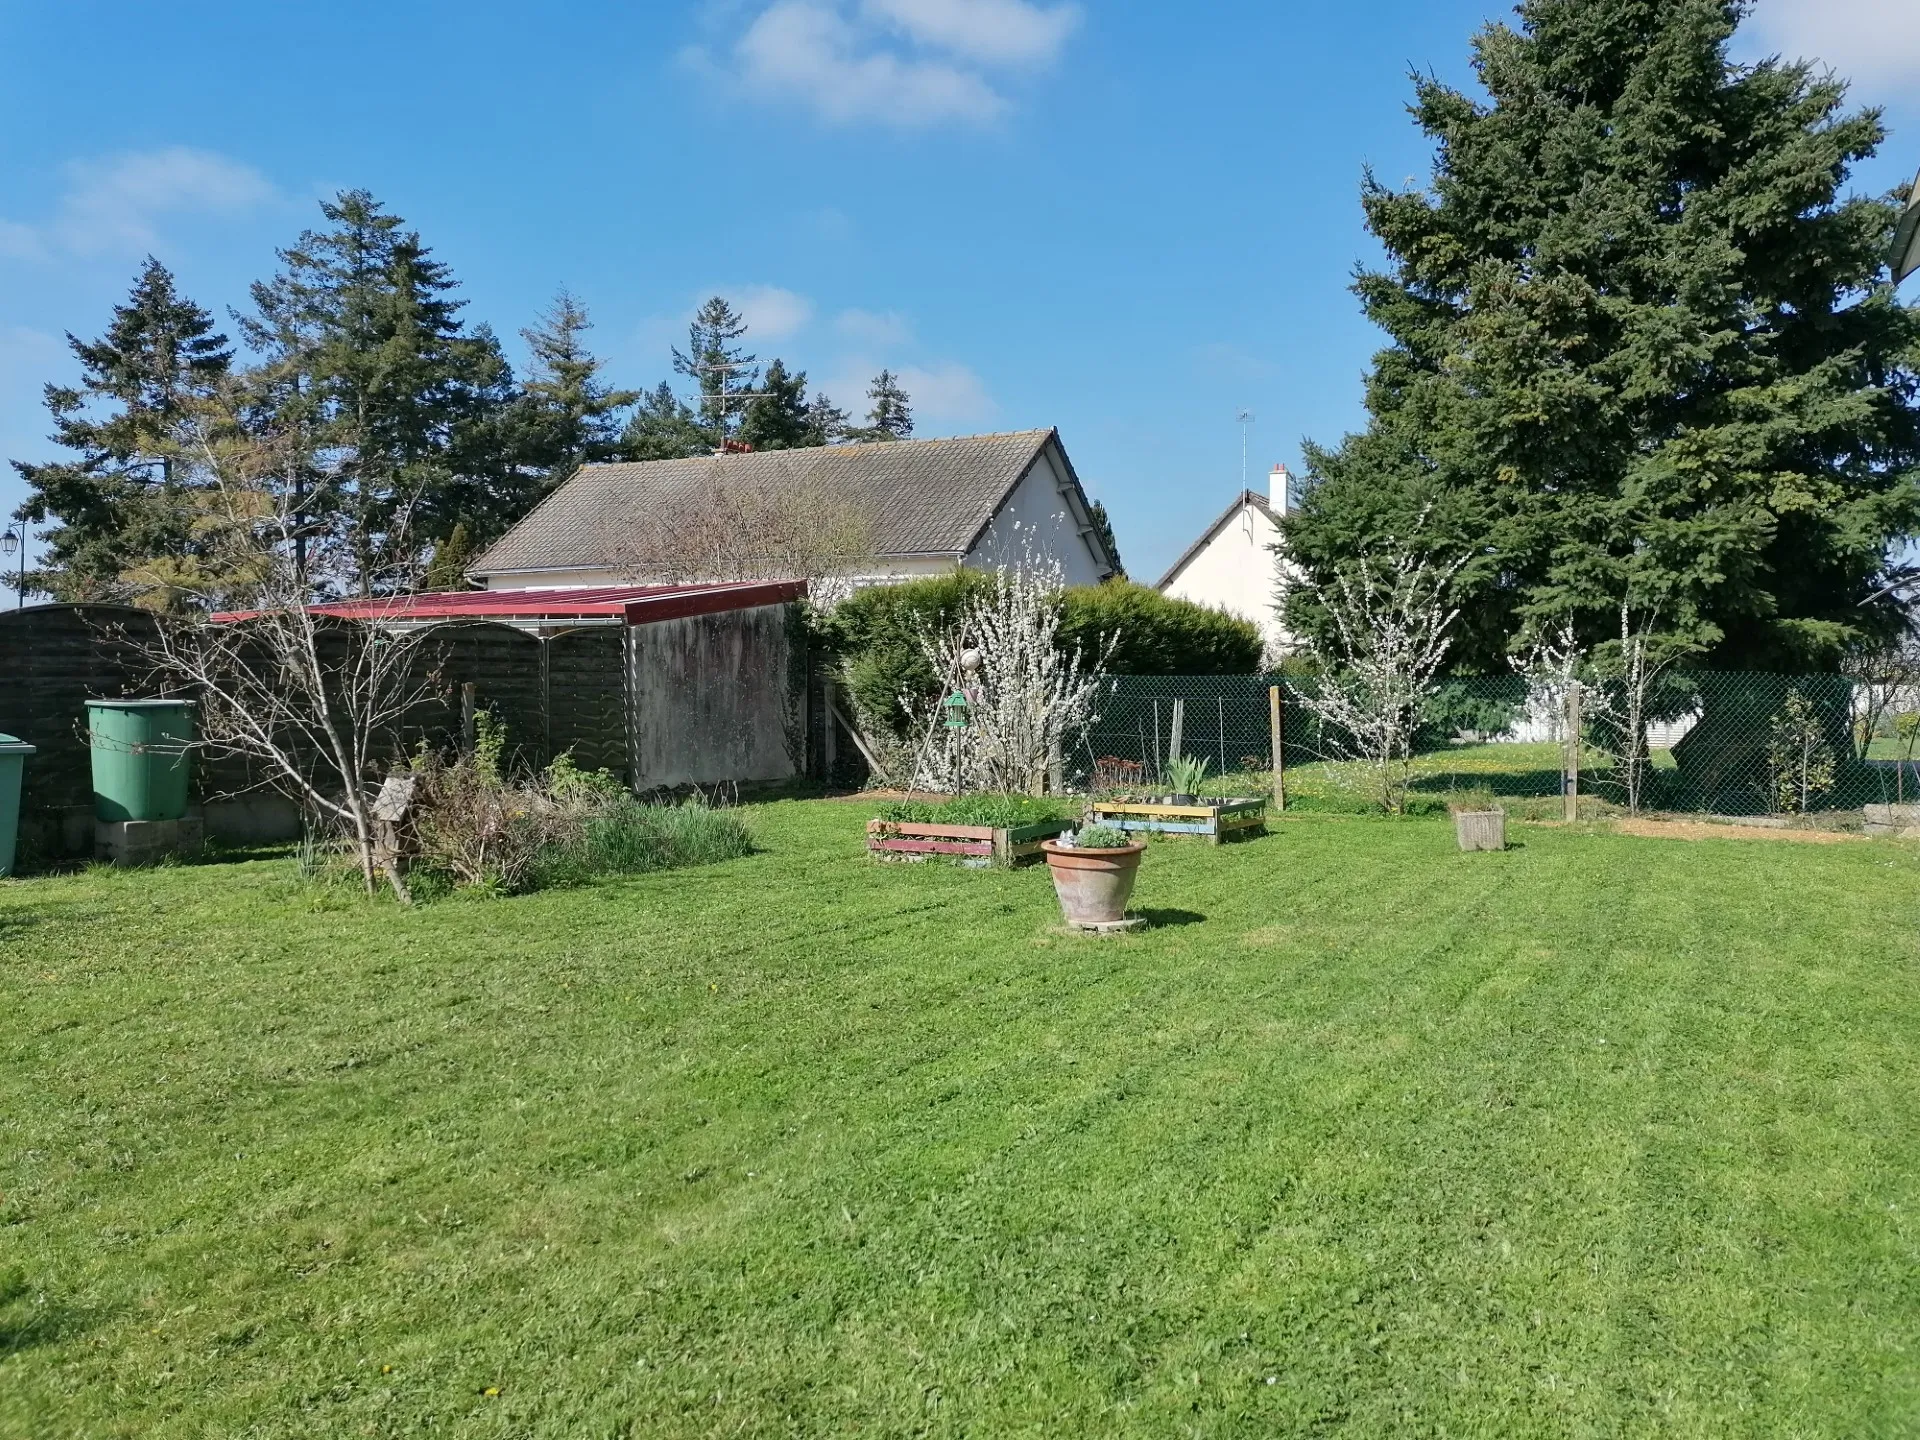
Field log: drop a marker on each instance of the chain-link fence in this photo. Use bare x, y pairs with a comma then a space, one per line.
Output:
1715, 742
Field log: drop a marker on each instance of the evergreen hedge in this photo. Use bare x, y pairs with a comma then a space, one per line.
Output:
876, 633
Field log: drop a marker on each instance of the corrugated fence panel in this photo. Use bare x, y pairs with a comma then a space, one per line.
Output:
585, 710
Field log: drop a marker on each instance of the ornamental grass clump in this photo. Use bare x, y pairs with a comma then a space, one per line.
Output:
479, 828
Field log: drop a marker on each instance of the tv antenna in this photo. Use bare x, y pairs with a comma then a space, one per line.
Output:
1245, 417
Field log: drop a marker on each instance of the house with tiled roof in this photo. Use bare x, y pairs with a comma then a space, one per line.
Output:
1235, 566
934, 505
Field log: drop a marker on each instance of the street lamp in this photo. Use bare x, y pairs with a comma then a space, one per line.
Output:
14, 539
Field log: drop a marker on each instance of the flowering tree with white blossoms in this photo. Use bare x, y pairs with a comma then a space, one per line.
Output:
1026, 699
1390, 622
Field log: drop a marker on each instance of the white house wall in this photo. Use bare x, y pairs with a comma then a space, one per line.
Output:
1042, 507
1234, 571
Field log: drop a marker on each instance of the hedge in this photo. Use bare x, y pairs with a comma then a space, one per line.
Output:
876, 633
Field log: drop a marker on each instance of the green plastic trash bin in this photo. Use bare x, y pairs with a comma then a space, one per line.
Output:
13, 760
140, 752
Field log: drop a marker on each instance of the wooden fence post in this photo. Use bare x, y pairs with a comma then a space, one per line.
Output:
1572, 777
1275, 716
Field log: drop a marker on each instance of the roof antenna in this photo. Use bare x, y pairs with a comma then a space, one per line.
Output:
1245, 417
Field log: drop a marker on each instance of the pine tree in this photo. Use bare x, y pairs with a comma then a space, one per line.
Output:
118, 502
826, 422
566, 415
1640, 349
779, 417
366, 355
451, 558
720, 368
1103, 527
891, 417
664, 427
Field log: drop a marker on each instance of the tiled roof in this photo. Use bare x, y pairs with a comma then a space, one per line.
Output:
927, 497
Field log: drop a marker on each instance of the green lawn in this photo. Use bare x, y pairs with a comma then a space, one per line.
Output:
1602, 1136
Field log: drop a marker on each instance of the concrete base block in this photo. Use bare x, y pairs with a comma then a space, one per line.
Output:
1108, 927
1902, 822
145, 842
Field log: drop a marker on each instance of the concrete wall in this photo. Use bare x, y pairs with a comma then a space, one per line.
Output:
1235, 571
1049, 519
715, 698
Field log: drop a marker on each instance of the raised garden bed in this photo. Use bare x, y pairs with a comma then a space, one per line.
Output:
1213, 820
972, 845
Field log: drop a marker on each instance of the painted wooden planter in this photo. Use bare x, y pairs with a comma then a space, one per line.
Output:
971, 845
1212, 821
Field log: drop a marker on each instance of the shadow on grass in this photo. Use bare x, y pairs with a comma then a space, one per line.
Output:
1528, 783
27, 1321
1164, 919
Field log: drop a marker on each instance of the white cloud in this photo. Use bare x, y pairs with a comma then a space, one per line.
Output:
114, 205
995, 32
770, 312
947, 397
874, 328
908, 63
950, 395
1874, 42
809, 53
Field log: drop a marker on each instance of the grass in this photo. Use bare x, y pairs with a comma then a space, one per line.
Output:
1601, 1136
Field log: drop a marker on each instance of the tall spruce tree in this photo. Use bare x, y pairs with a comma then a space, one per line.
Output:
891, 414
118, 502
664, 427
1641, 349
366, 356
721, 369
776, 418
566, 415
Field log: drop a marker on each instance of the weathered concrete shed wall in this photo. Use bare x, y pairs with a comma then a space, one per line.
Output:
716, 698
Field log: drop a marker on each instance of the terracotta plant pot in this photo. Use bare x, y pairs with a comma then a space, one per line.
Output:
1093, 885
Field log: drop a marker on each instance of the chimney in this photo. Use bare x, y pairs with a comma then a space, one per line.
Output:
1279, 483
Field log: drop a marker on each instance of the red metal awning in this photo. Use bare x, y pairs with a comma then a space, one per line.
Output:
636, 604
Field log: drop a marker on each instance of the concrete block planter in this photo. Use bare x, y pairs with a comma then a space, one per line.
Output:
1480, 829
1209, 820
977, 846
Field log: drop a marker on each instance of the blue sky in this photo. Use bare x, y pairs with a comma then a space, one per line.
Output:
1127, 220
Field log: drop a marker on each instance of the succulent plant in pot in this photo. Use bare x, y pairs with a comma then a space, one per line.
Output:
1186, 775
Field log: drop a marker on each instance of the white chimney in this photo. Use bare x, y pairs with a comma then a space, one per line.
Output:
1278, 484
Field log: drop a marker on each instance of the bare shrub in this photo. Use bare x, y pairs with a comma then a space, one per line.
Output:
1026, 700
314, 702
805, 530
1389, 638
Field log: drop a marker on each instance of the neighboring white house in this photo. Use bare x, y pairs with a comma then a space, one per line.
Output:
1233, 566
979, 500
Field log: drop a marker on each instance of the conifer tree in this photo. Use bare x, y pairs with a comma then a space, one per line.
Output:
826, 422
779, 417
720, 368
891, 415
1103, 527
566, 415
1641, 349
367, 357
118, 502
664, 427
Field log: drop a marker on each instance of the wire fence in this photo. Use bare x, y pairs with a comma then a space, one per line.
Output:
1697, 742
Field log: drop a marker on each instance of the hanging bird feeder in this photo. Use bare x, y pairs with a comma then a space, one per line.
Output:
955, 706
